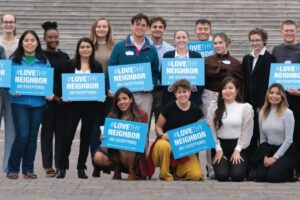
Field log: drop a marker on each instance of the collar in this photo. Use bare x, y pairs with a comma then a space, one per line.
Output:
223, 56
187, 55
155, 45
129, 43
262, 52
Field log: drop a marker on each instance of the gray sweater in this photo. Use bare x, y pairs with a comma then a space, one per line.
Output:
277, 130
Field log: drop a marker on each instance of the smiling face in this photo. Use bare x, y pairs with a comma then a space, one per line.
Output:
203, 31
229, 92
274, 96
29, 44
102, 29
289, 33
52, 39
139, 28
181, 39
182, 95
157, 30
220, 45
8, 23
124, 102
85, 50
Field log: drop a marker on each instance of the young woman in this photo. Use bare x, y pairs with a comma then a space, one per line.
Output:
176, 114
181, 38
217, 67
27, 110
53, 115
9, 42
86, 111
124, 108
102, 37
232, 126
277, 155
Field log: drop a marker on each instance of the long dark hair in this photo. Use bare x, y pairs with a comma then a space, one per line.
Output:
19, 52
77, 60
115, 110
221, 104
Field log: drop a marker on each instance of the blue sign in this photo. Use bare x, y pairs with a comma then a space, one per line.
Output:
191, 69
191, 139
288, 75
34, 81
83, 87
135, 77
5, 73
205, 48
125, 135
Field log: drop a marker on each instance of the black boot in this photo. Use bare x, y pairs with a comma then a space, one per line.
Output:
96, 172
81, 174
61, 173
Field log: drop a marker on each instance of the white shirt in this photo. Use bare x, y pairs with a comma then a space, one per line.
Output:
82, 72
262, 52
187, 55
237, 124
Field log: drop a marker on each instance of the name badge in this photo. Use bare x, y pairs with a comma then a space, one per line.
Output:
226, 62
129, 53
287, 62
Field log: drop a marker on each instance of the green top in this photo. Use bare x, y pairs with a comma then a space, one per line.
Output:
30, 59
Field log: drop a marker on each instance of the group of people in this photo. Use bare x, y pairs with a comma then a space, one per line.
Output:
255, 127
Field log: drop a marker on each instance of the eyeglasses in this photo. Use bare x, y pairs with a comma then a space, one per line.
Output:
255, 41
8, 22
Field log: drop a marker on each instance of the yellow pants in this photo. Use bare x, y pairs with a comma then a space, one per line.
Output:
191, 170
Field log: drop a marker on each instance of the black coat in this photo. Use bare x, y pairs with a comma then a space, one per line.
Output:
256, 81
169, 96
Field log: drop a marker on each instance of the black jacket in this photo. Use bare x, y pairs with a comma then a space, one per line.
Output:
256, 81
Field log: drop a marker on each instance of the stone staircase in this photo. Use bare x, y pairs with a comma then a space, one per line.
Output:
234, 17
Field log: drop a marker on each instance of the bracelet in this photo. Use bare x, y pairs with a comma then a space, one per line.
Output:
160, 136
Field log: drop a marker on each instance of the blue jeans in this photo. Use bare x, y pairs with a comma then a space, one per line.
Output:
9, 131
27, 122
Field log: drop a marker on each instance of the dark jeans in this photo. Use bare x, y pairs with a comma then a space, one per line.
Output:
281, 170
225, 170
27, 122
52, 124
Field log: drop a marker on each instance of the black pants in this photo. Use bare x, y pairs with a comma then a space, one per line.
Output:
225, 170
87, 112
281, 170
51, 125
254, 143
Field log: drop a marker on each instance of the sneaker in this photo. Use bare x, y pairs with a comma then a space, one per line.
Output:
49, 172
12, 175
29, 175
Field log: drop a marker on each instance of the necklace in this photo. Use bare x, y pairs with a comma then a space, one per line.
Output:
183, 107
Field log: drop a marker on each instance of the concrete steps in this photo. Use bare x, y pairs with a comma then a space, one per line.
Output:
235, 17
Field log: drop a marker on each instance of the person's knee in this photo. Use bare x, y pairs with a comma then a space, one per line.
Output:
275, 177
238, 175
100, 159
163, 145
195, 175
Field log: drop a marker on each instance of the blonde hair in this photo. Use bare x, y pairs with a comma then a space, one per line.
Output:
283, 105
109, 37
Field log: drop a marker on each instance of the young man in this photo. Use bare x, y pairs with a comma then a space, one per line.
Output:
136, 48
256, 71
203, 29
204, 33
288, 52
158, 27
